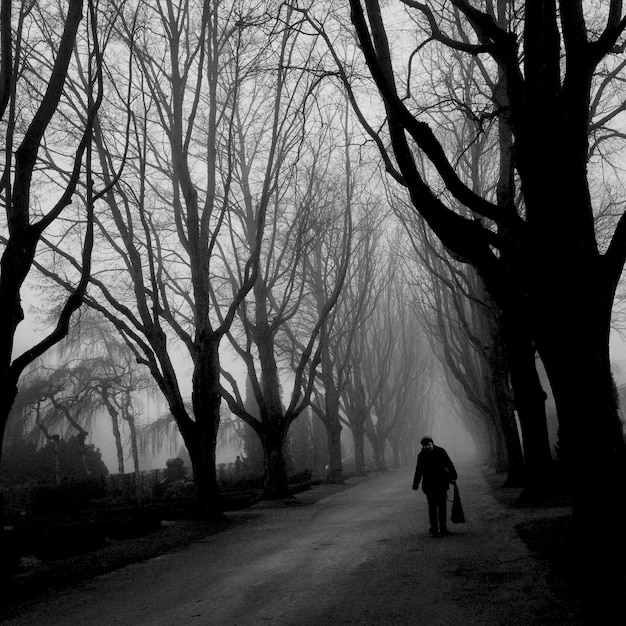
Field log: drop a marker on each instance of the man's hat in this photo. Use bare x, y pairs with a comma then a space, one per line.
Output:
426, 440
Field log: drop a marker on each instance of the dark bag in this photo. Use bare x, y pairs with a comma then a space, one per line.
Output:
457, 516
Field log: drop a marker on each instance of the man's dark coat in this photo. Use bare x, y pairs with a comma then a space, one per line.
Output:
435, 470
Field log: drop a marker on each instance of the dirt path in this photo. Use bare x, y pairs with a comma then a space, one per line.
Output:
361, 556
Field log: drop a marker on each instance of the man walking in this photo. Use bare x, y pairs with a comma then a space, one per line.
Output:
435, 471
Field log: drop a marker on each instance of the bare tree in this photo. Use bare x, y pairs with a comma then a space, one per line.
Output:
32, 94
341, 330
358, 400
360, 392
409, 380
542, 256
481, 146
466, 333
190, 66
393, 356
309, 226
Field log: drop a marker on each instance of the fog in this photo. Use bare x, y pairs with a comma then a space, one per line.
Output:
447, 428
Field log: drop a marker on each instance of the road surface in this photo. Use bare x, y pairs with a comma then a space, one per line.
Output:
361, 556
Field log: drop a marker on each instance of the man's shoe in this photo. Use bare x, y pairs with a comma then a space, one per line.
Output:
445, 531
433, 532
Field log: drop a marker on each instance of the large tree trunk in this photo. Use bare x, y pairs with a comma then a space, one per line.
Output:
14, 265
276, 480
19, 251
274, 423
529, 397
575, 353
200, 436
202, 455
531, 409
6, 402
8, 387
508, 455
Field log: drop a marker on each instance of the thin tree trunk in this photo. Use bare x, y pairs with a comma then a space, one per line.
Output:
358, 435
117, 436
331, 417
134, 448
57, 460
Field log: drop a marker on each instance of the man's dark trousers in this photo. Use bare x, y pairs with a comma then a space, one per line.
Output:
437, 511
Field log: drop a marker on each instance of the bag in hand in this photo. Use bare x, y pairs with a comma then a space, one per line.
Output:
457, 516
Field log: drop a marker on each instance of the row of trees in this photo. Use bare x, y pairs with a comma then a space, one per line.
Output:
538, 82
380, 392
219, 186
221, 192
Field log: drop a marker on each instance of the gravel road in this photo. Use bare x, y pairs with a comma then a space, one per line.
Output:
360, 556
